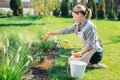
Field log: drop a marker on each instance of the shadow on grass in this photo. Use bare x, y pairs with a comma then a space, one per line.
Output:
22, 17
59, 72
19, 24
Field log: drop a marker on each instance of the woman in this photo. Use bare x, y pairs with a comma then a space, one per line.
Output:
92, 50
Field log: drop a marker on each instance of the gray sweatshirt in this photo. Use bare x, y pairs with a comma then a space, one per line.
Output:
89, 33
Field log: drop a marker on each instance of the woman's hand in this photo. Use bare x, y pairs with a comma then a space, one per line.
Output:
58, 32
75, 54
47, 35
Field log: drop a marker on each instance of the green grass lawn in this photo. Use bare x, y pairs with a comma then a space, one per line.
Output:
108, 31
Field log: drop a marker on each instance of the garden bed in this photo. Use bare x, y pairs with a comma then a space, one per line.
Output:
40, 70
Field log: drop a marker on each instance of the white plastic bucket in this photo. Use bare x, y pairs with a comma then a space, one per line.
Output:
77, 68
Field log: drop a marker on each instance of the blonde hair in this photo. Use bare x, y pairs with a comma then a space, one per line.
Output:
82, 9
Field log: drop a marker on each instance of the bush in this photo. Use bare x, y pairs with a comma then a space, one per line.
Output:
15, 60
46, 45
82, 2
2, 13
17, 7
111, 10
29, 12
101, 10
118, 13
45, 7
92, 6
74, 3
9, 13
65, 8
56, 12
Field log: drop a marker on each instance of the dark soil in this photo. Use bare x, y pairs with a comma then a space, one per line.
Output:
40, 74
40, 70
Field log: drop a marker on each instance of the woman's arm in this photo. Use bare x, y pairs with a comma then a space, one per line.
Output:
47, 35
67, 30
84, 51
79, 54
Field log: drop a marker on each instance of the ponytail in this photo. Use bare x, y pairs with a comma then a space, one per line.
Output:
88, 13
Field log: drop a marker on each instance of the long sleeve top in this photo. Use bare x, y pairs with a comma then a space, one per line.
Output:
88, 33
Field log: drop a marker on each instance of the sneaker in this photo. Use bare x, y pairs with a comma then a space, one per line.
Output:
99, 65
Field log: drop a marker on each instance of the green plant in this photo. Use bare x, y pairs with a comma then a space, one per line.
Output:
92, 6
74, 3
14, 65
56, 12
44, 7
39, 57
15, 58
101, 10
29, 13
17, 7
111, 9
2, 13
83, 2
118, 13
64, 8
46, 45
9, 13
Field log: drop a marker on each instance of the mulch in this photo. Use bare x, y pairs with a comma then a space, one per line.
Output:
39, 71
